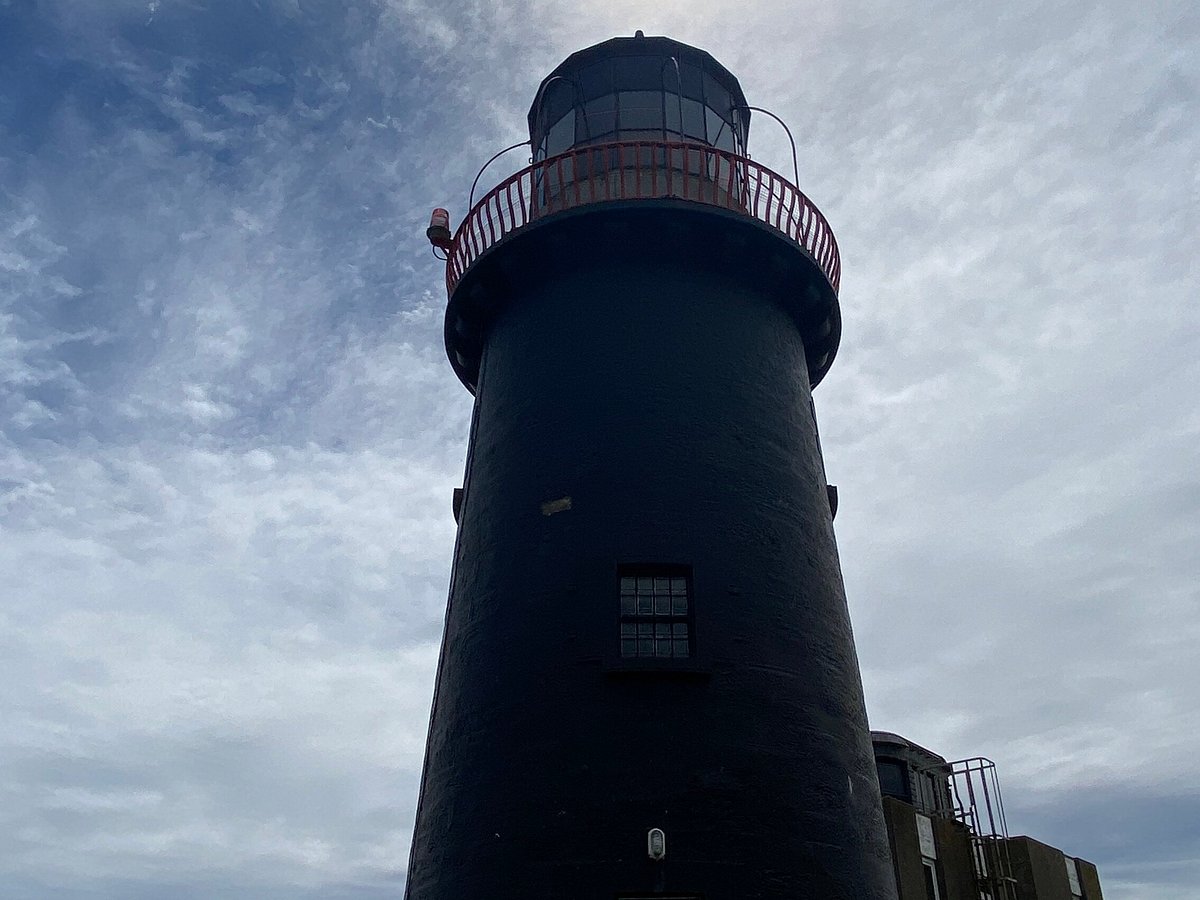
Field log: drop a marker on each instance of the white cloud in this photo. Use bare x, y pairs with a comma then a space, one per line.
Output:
230, 434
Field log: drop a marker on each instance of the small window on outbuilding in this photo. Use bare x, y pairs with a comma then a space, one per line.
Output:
656, 612
893, 779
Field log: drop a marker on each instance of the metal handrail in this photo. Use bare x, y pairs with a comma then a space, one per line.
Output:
638, 170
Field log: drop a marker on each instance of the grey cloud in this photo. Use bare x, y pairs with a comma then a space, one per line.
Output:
229, 434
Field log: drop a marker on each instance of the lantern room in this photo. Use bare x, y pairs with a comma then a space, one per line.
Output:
638, 89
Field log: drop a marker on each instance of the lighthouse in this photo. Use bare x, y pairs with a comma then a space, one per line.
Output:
648, 685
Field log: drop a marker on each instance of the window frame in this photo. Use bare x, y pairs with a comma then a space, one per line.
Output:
632, 615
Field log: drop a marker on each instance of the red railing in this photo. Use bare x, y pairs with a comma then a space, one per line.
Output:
636, 171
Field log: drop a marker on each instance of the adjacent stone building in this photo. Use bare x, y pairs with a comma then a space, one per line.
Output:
949, 839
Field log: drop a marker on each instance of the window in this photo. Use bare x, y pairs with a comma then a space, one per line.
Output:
600, 118
931, 884
1073, 878
656, 612
561, 135
893, 779
693, 118
641, 110
927, 801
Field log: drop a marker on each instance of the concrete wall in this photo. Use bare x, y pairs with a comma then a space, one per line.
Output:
956, 877
1089, 880
901, 822
1040, 870
954, 860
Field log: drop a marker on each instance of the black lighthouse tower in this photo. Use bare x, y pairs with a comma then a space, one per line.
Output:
648, 684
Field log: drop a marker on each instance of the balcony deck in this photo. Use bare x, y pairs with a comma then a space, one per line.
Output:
643, 170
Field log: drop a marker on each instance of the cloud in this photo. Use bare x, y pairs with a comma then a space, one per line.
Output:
230, 435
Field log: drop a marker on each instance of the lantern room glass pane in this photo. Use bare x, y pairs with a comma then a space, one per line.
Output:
596, 80
640, 110
672, 110
561, 135
715, 95
689, 75
598, 117
631, 73
715, 124
607, 98
557, 101
693, 118
726, 140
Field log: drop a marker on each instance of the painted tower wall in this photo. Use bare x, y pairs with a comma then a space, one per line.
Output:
645, 369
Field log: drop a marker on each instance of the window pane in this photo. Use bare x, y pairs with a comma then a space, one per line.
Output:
633, 72
726, 140
672, 109
592, 165
931, 891
738, 117
693, 118
641, 109
716, 125
596, 80
654, 609
690, 76
598, 117
561, 136
893, 778
715, 95
642, 134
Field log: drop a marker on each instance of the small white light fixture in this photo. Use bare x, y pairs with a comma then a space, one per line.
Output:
656, 844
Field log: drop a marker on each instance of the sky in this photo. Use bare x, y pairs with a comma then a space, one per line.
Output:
229, 434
